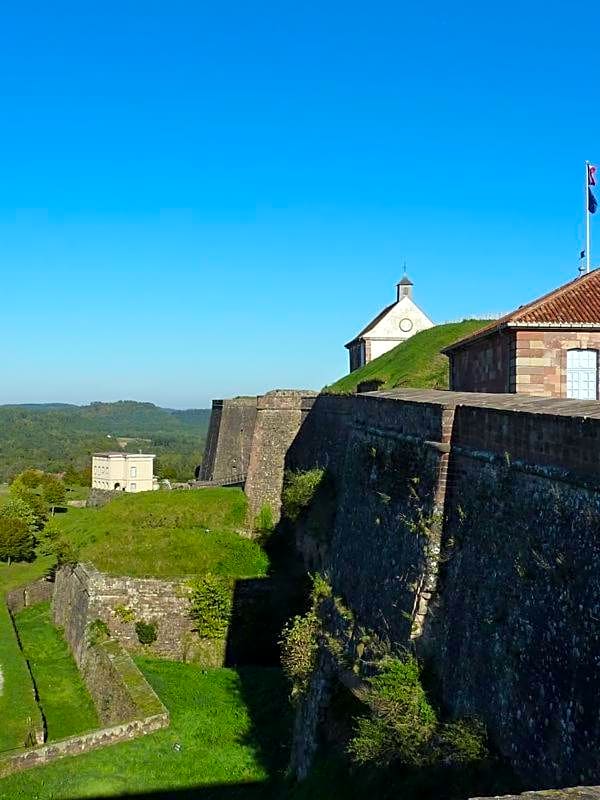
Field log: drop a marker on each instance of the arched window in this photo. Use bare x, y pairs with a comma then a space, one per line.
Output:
582, 374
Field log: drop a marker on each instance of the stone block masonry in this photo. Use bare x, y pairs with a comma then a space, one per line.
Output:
279, 416
229, 439
466, 523
127, 705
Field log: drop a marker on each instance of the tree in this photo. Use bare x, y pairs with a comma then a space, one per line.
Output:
15, 508
16, 540
54, 493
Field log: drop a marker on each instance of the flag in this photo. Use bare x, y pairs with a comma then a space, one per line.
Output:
591, 175
592, 202
582, 254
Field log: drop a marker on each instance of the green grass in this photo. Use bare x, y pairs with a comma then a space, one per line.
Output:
227, 728
65, 702
164, 534
417, 362
17, 701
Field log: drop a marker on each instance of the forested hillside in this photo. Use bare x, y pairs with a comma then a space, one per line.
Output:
55, 436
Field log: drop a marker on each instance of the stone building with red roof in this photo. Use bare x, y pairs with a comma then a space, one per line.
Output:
547, 348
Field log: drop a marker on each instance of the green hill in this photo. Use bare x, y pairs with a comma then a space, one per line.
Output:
417, 362
54, 436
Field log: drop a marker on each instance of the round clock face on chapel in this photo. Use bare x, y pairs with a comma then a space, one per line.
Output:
405, 325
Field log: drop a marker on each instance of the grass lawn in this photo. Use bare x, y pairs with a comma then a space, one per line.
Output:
65, 702
228, 727
164, 534
417, 362
17, 701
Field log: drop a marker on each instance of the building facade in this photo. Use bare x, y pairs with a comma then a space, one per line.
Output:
125, 472
547, 348
392, 326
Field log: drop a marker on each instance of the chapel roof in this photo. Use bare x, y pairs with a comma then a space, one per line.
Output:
574, 304
405, 281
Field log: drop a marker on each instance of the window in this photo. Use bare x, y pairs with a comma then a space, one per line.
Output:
582, 374
133, 472
132, 487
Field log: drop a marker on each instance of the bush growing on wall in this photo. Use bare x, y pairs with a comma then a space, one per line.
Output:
401, 719
298, 491
212, 604
146, 632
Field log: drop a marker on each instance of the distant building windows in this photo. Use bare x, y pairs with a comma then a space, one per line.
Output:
132, 487
133, 472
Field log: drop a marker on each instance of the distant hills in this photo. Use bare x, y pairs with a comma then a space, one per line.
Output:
53, 436
417, 362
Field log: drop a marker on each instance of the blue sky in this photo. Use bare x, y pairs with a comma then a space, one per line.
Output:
206, 199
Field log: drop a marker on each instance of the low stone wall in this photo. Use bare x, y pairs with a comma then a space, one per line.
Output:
76, 745
39, 592
83, 594
100, 497
126, 703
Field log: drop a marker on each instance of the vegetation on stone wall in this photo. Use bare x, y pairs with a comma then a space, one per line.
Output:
264, 522
211, 605
299, 488
146, 632
97, 632
300, 640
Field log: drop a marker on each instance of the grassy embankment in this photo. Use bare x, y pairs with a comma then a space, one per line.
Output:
65, 702
167, 534
417, 362
17, 701
227, 728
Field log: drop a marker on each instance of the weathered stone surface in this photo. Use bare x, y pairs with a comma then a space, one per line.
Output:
38, 592
573, 793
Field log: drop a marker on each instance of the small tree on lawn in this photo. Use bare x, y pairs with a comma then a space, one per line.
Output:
15, 508
16, 540
54, 493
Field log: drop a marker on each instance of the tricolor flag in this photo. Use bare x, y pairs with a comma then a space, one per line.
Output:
591, 175
592, 202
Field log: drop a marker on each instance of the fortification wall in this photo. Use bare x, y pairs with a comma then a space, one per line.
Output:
279, 417
83, 595
229, 440
468, 524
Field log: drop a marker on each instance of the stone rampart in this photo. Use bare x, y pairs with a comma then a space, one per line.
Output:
279, 416
467, 524
229, 439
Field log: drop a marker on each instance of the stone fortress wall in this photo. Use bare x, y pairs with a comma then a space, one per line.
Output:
465, 525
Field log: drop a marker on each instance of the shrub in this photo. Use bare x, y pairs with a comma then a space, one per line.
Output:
212, 605
401, 720
16, 540
146, 632
97, 632
264, 522
298, 491
299, 649
48, 537
124, 613
463, 741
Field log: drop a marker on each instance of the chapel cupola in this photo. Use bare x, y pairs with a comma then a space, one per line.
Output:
404, 287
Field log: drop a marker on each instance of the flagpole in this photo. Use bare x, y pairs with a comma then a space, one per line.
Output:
587, 217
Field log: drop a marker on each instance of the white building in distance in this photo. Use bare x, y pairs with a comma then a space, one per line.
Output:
125, 472
395, 324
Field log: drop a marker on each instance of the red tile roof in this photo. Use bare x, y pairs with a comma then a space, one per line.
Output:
576, 304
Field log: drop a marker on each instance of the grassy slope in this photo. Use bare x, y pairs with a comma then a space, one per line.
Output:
229, 726
163, 534
417, 362
65, 702
17, 701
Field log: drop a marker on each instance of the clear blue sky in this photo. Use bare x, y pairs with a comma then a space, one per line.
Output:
205, 199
